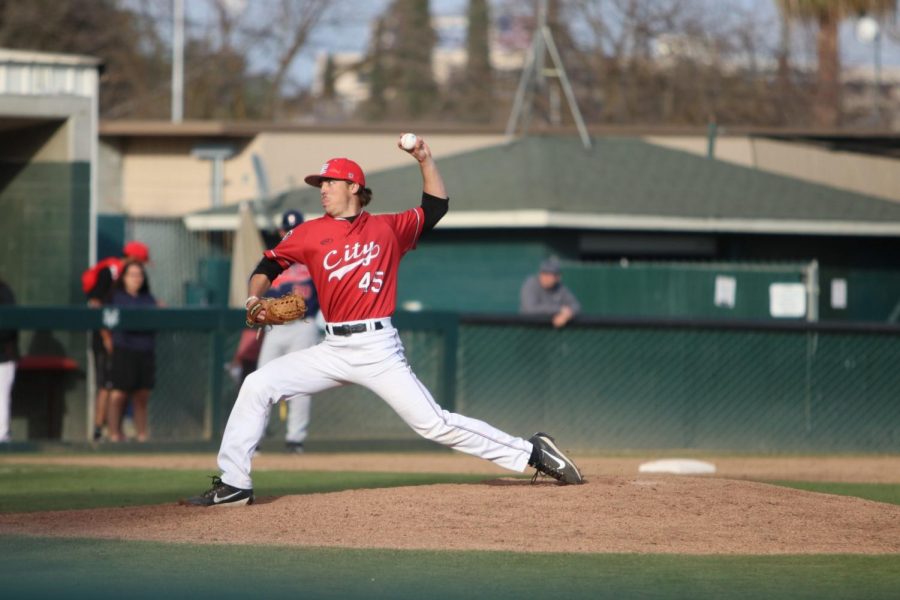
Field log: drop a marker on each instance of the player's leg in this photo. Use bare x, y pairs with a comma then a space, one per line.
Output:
115, 409
393, 380
275, 343
306, 372
146, 373
103, 375
141, 399
304, 335
124, 380
299, 408
7, 376
272, 346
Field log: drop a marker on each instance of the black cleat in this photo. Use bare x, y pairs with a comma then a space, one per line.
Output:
294, 447
550, 460
221, 494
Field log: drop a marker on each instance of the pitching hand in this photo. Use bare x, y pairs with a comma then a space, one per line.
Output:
420, 151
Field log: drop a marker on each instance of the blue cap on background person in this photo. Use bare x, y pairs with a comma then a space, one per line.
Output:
550, 265
290, 219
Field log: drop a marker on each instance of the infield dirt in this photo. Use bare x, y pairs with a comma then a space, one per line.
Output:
616, 511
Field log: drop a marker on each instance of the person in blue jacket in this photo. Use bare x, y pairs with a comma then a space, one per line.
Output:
133, 354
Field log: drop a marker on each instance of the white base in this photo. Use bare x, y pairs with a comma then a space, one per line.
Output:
679, 466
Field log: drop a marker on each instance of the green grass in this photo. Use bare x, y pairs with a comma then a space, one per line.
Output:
41, 567
25, 488
46, 567
879, 492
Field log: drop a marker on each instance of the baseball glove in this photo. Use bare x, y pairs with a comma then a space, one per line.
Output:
289, 307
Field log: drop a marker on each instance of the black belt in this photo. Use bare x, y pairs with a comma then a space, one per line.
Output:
354, 328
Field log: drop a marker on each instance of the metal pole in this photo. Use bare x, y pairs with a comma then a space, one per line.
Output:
812, 291
567, 88
877, 51
711, 133
520, 92
217, 164
178, 61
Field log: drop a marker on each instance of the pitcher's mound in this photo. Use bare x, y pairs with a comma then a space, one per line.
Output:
651, 514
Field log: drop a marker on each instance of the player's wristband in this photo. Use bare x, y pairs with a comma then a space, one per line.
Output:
250, 300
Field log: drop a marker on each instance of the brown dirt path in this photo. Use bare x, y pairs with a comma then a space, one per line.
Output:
618, 510
859, 469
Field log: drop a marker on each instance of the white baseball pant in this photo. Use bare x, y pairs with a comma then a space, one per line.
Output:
7, 377
281, 340
375, 360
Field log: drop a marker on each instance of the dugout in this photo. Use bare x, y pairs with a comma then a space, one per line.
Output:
48, 166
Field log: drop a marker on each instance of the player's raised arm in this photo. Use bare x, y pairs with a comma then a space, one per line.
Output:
432, 182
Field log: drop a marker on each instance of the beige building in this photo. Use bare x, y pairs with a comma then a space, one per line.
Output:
161, 169
873, 175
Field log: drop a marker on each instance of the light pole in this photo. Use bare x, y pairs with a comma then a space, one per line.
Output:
868, 31
178, 61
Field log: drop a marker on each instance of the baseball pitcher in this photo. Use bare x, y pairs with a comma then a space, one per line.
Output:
353, 258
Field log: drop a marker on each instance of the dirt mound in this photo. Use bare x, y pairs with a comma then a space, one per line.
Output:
863, 469
658, 514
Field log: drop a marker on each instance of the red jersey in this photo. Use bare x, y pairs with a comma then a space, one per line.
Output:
354, 264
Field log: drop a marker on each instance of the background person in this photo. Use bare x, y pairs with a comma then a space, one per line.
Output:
545, 294
9, 354
97, 283
293, 336
133, 354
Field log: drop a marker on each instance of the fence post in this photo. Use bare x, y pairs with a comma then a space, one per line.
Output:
451, 347
217, 352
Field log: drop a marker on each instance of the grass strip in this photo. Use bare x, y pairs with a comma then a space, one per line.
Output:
879, 492
28, 488
72, 568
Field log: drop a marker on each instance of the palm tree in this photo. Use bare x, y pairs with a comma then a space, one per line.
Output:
828, 14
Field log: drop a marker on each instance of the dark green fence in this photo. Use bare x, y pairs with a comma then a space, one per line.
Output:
597, 384
678, 290
680, 384
194, 391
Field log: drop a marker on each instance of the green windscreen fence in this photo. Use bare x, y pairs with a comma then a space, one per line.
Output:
597, 384
716, 386
674, 289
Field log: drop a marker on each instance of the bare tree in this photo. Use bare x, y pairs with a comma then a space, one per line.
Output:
478, 82
685, 62
827, 15
133, 57
287, 33
239, 54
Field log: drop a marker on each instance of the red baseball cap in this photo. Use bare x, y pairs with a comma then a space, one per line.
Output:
137, 251
338, 168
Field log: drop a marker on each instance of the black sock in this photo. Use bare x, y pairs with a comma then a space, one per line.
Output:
535, 456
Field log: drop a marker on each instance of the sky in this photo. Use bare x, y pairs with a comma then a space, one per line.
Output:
350, 28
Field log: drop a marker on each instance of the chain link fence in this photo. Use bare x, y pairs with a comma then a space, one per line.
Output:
598, 384
711, 386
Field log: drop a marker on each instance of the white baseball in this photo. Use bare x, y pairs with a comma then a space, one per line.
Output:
408, 141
